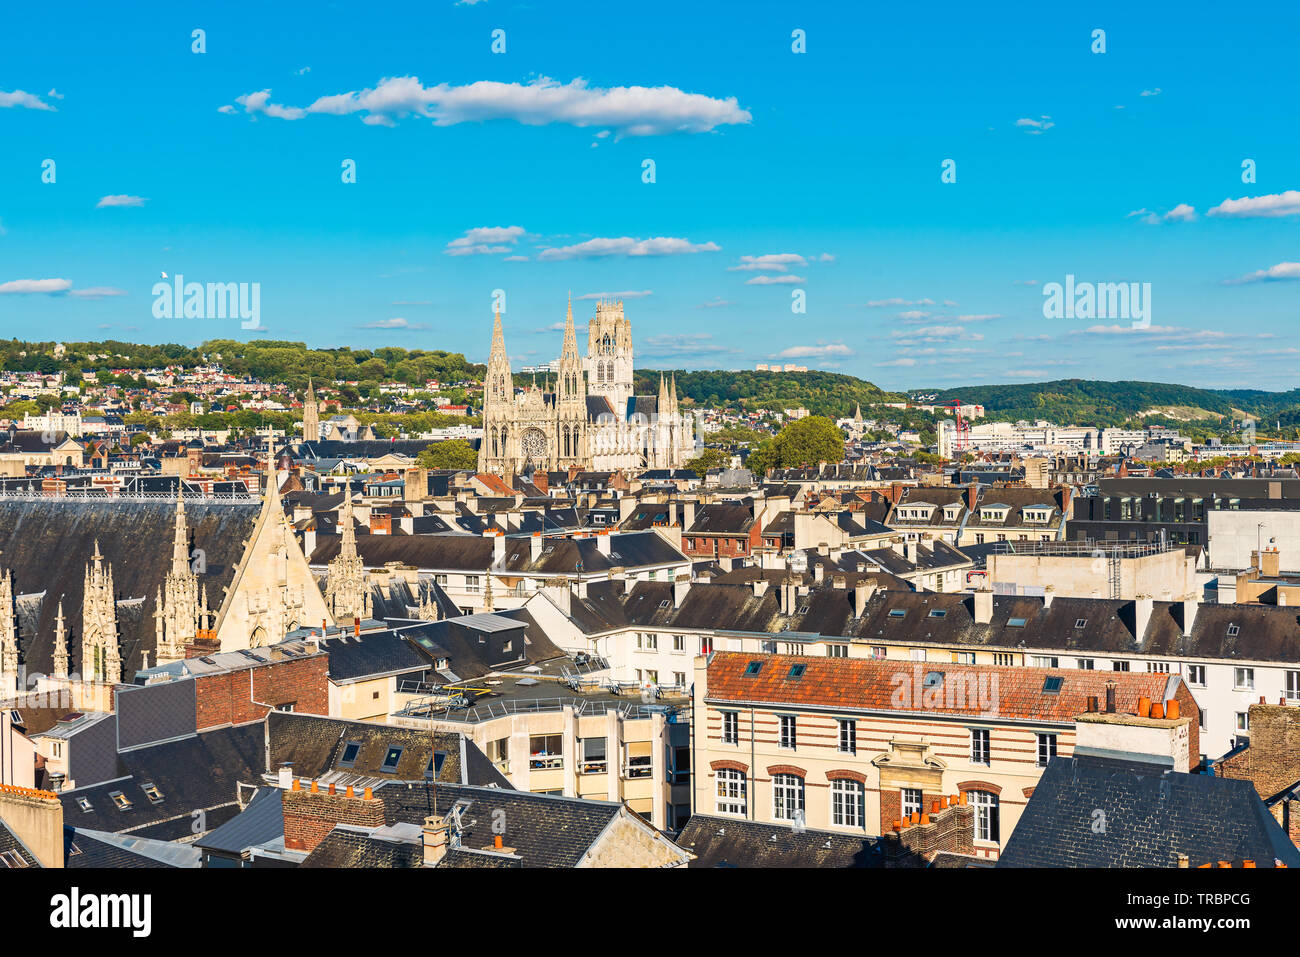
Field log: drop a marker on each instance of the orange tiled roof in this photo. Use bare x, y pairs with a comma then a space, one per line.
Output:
1012, 693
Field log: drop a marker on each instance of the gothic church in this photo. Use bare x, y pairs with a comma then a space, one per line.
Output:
592, 419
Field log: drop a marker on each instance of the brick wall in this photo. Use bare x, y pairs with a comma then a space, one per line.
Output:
1272, 762
950, 829
226, 698
309, 815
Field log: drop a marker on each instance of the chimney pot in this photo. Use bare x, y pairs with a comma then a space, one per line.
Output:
368, 793
315, 787
351, 791
333, 788
1172, 710
1144, 707
497, 843
1157, 709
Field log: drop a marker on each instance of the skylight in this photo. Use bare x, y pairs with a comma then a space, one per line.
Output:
938, 613
753, 668
391, 757
796, 671
1052, 685
350, 752
1015, 622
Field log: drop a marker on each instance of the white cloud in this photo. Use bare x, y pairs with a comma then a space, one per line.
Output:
826, 258
120, 200
27, 286
786, 279
630, 111
898, 362
1156, 92
485, 239
1035, 126
771, 262
716, 303
396, 323
1271, 206
1282, 271
684, 346
28, 101
814, 352
1182, 213
979, 317
97, 292
628, 294
625, 246
895, 301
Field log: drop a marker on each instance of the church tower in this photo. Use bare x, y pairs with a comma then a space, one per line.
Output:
179, 607
571, 402
609, 356
347, 591
101, 658
494, 454
310, 415
10, 680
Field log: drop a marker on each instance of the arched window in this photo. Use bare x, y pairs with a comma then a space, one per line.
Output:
787, 797
731, 791
986, 816
848, 803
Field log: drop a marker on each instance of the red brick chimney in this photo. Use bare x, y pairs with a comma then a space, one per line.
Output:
310, 814
948, 827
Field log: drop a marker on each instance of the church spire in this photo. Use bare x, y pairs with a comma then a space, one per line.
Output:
60, 645
181, 535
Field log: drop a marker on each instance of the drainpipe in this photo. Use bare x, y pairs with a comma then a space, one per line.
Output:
752, 776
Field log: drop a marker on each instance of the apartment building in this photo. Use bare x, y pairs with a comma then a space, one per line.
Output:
573, 739
854, 745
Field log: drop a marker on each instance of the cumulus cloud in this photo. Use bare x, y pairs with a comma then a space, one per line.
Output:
771, 262
1156, 92
626, 246
1267, 207
27, 101
786, 279
485, 239
1035, 126
1280, 272
1182, 213
396, 323
97, 292
121, 199
895, 301
626, 294
815, 352
629, 110
29, 286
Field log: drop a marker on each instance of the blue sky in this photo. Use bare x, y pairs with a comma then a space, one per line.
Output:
774, 172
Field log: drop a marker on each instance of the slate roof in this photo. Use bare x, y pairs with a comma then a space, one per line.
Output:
100, 850
316, 746
261, 822
350, 847
545, 830
357, 657
727, 842
9, 841
48, 543
1151, 816
201, 771
474, 553
872, 685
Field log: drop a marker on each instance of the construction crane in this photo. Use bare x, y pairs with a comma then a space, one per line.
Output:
961, 438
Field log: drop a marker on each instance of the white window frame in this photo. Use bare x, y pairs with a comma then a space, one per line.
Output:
978, 735
848, 803
731, 727
731, 790
787, 797
787, 732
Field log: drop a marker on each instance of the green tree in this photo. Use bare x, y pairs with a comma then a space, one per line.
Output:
452, 454
709, 459
807, 442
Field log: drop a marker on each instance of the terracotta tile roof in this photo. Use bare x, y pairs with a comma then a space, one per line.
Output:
1011, 693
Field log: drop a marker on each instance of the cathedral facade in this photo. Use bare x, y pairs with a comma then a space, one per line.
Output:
591, 419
